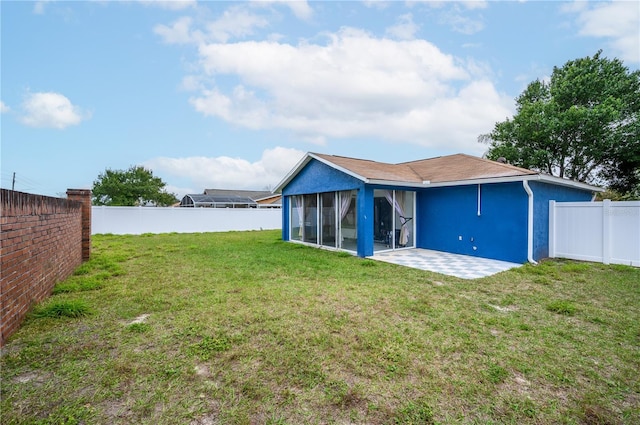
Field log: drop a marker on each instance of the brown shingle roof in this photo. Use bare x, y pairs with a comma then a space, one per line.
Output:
463, 167
374, 170
251, 194
449, 168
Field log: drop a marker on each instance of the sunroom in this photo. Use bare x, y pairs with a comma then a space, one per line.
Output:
330, 219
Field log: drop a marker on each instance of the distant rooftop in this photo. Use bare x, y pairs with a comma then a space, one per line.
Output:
228, 198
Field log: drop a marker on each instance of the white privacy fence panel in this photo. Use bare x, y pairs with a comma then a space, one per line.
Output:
139, 220
606, 232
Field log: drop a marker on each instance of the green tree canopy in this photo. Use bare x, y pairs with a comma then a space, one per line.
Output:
135, 186
583, 124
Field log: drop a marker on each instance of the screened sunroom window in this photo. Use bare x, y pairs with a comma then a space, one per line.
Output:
328, 219
297, 221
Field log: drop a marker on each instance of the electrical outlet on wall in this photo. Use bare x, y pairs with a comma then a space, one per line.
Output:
460, 237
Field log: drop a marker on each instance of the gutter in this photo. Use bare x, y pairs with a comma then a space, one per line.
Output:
525, 185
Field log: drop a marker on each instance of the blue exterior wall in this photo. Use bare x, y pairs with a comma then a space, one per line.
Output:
500, 232
365, 221
542, 194
317, 177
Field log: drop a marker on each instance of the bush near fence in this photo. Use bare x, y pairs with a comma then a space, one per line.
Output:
42, 241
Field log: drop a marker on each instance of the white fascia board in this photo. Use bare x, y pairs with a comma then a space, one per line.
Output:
295, 170
303, 162
566, 182
531, 177
339, 168
396, 183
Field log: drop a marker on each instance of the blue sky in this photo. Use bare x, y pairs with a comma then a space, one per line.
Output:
232, 94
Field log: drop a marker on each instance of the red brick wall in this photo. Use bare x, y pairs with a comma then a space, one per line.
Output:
41, 243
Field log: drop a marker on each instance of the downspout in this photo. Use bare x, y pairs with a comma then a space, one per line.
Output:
527, 189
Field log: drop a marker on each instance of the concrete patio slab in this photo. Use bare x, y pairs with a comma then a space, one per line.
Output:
462, 266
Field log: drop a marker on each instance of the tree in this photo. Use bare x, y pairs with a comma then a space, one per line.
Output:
583, 124
135, 186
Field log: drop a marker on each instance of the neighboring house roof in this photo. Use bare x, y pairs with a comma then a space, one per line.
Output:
272, 199
212, 200
223, 197
451, 170
251, 194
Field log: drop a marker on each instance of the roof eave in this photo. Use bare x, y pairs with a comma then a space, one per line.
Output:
487, 180
294, 171
304, 161
394, 183
508, 179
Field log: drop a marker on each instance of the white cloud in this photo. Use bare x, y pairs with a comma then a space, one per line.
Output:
180, 191
38, 7
475, 4
179, 32
51, 110
235, 22
170, 4
378, 4
461, 23
455, 14
355, 85
617, 21
230, 173
471, 5
300, 8
3, 108
404, 29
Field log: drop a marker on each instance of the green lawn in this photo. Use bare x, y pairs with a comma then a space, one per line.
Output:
242, 328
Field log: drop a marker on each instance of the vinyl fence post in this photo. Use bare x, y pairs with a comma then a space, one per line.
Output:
606, 236
552, 229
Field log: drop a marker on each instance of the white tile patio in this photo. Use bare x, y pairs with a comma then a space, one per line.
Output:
462, 266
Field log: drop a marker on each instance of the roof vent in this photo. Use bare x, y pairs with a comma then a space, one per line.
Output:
502, 160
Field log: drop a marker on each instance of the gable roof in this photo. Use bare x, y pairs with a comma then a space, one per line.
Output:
450, 170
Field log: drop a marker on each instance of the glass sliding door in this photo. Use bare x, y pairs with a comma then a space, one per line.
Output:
403, 220
348, 220
310, 232
393, 223
328, 221
382, 221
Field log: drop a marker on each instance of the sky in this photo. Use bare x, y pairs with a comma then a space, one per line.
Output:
231, 95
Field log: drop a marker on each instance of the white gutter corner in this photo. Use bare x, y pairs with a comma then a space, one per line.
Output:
527, 189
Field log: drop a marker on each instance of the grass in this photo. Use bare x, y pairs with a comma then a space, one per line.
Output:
242, 328
61, 308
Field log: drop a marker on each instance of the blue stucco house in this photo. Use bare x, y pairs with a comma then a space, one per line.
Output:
457, 203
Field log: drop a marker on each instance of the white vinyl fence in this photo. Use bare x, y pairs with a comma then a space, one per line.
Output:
606, 232
139, 220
